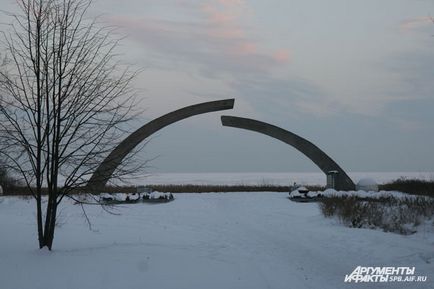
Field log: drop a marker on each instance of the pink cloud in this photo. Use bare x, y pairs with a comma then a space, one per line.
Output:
282, 55
220, 42
232, 2
416, 22
225, 17
245, 48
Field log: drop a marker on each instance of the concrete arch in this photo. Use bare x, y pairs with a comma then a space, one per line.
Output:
321, 159
105, 170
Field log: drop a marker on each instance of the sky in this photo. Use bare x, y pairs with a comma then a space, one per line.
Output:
354, 77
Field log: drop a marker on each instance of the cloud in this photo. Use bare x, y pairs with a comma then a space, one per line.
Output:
213, 40
416, 23
409, 98
283, 98
414, 74
216, 41
282, 55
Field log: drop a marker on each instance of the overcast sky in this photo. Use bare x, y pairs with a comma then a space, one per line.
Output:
354, 77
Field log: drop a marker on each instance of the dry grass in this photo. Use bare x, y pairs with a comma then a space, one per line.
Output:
391, 214
189, 188
410, 186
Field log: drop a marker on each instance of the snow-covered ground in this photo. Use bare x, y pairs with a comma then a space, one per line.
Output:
228, 240
262, 178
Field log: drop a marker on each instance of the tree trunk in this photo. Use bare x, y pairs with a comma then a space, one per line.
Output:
50, 220
52, 226
39, 221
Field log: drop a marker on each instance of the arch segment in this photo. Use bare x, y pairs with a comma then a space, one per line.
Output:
106, 169
321, 159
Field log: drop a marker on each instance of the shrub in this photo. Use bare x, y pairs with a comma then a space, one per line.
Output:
410, 186
398, 215
191, 188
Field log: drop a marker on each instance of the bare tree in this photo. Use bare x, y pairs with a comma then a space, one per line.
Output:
63, 100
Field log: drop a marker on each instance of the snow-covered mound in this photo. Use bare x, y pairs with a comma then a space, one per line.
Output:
367, 184
158, 196
119, 197
295, 194
135, 197
299, 192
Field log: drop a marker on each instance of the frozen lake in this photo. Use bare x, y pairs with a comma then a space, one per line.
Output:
279, 178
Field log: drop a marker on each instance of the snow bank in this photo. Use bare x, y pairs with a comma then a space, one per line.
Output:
158, 195
119, 197
363, 194
360, 194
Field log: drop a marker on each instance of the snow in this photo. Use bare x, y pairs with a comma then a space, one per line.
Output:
119, 197
159, 195
213, 241
299, 192
295, 194
367, 184
362, 194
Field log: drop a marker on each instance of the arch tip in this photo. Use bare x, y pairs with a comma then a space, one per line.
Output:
226, 120
228, 103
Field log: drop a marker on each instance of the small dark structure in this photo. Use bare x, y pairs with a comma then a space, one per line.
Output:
331, 179
341, 180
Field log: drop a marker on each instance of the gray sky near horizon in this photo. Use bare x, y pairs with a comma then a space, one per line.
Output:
354, 77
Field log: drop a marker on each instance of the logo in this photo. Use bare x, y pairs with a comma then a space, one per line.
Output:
384, 274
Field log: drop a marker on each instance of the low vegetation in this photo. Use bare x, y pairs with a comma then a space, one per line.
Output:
397, 215
189, 188
410, 186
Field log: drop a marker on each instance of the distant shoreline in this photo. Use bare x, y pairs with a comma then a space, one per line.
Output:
268, 178
405, 185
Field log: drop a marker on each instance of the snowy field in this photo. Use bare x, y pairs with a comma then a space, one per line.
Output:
261, 178
203, 241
